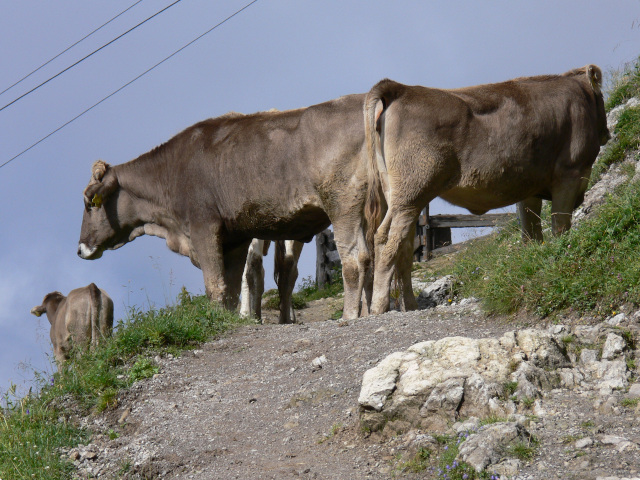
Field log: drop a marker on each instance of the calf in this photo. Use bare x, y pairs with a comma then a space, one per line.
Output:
82, 318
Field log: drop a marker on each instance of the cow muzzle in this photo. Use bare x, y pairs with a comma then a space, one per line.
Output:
88, 253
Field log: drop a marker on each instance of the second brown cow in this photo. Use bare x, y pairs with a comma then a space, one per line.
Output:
480, 148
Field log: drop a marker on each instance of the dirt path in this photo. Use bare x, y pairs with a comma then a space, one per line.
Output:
266, 402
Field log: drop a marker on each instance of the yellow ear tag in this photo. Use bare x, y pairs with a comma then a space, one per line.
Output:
96, 201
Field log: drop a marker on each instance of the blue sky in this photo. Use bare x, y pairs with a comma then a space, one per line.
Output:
275, 54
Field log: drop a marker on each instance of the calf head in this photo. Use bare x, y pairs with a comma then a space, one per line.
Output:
109, 216
50, 305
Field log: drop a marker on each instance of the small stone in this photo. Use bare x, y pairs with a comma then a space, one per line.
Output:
617, 319
319, 362
89, 455
634, 391
584, 442
124, 415
588, 356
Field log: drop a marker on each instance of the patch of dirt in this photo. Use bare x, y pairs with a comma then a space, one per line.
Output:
281, 402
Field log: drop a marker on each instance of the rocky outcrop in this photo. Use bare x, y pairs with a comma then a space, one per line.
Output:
433, 384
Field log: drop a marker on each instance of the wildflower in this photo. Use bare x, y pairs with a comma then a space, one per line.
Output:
465, 476
446, 447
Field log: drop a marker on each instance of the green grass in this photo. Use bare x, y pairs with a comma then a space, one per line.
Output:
624, 85
34, 428
593, 268
307, 292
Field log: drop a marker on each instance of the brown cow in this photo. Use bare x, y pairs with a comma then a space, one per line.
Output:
220, 183
481, 148
81, 318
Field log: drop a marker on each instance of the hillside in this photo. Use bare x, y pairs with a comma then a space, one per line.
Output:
272, 401
545, 385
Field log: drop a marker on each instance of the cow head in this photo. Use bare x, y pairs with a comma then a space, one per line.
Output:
109, 218
49, 306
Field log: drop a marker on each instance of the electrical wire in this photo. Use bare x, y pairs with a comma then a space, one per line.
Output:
68, 48
89, 55
128, 83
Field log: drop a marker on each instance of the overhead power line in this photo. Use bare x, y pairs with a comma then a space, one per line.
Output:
89, 55
68, 48
128, 83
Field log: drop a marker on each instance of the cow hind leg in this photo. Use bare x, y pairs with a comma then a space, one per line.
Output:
563, 201
404, 263
390, 240
530, 223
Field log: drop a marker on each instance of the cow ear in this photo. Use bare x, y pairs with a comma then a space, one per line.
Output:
103, 183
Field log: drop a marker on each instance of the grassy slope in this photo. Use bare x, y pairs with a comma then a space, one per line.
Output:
32, 429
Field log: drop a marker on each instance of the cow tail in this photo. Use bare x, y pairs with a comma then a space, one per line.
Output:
375, 104
278, 260
94, 313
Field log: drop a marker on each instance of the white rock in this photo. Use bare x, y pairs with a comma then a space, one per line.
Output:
634, 391
617, 319
613, 346
588, 356
584, 442
319, 362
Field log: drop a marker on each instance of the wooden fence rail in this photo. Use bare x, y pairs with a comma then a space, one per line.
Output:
433, 232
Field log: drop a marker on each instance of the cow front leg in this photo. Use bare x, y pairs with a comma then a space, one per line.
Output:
207, 246
530, 223
356, 262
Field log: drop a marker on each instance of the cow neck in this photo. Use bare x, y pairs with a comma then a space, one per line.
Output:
143, 179
51, 308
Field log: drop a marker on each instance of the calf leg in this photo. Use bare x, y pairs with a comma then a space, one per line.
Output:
529, 213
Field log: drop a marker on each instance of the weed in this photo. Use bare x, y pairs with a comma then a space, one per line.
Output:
523, 450
630, 402
528, 402
143, 368
510, 388
588, 424
491, 419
